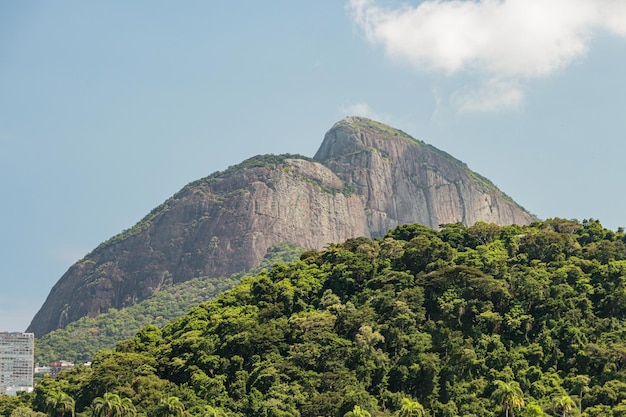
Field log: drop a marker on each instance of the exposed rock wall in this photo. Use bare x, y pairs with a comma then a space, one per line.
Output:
368, 178
402, 180
212, 228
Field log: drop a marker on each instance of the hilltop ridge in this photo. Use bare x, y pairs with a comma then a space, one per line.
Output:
365, 179
484, 320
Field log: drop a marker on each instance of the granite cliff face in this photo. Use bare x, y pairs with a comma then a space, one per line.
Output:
365, 179
402, 180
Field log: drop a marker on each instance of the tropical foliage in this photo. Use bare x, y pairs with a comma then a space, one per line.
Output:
80, 340
59, 404
509, 395
112, 405
463, 321
170, 407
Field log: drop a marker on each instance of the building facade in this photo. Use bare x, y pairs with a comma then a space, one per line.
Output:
17, 355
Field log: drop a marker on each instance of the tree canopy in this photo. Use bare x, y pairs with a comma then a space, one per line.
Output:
462, 321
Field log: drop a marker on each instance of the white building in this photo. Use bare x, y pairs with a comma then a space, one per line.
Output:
17, 356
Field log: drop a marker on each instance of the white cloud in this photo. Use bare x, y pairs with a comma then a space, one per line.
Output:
363, 109
502, 40
494, 95
359, 109
614, 16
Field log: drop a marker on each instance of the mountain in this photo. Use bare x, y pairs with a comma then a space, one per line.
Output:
81, 339
365, 179
463, 321
401, 180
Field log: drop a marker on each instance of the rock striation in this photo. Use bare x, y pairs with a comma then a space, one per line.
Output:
365, 179
402, 180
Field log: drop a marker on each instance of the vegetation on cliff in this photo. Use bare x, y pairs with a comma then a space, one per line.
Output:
365, 179
80, 340
266, 160
478, 321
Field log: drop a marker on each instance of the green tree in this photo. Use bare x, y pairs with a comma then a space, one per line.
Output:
563, 405
26, 412
59, 404
107, 406
357, 411
370, 322
210, 411
128, 407
170, 407
509, 395
411, 409
8, 403
111, 405
532, 410
581, 385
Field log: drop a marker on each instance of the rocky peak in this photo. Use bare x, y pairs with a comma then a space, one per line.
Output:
365, 179
215, 227
404, 180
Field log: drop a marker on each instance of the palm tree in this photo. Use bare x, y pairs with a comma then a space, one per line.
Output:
509, 395
128, 408
582, 381
58, 404
170, 407
357, 411
564, 404
107, 406
411, 409
210, 411
111, 405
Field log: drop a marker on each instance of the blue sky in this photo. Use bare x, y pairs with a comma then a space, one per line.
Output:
109, 108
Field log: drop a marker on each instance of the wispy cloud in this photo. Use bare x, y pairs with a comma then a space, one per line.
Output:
493, 95
360, 109
503, 41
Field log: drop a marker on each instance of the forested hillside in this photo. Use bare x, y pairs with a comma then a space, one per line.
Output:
365, 179
478, 321
80, 340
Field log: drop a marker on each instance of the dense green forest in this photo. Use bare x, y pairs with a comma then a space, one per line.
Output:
80, 340
478, 321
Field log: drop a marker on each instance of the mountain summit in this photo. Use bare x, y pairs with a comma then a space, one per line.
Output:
365, 179
402, 180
